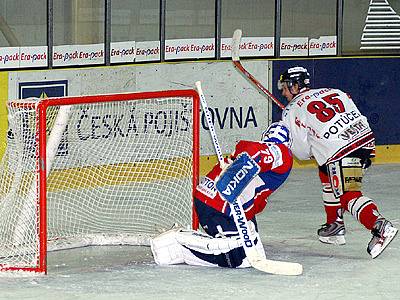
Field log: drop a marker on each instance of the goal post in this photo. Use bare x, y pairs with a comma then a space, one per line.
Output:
96, 170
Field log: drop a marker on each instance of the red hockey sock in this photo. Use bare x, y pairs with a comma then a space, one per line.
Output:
368, 215
362, 208
332, 213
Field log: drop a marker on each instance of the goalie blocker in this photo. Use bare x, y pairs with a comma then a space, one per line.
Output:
258, 169
236, 177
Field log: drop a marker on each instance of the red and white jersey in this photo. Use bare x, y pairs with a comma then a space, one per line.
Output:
326, 124
275, 161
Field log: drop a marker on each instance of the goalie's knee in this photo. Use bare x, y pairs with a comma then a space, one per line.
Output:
166, 249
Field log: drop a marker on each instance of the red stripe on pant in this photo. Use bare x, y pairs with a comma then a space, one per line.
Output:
331, 204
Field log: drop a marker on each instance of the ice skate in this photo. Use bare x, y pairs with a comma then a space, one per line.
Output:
332, 233
382, 234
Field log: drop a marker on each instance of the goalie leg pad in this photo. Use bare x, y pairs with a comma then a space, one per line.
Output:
221, 251
178, 246
204, 250
166, 249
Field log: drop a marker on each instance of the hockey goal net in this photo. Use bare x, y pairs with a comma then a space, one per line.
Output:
96, 170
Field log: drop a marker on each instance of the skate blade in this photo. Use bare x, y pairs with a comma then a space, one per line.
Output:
333, 240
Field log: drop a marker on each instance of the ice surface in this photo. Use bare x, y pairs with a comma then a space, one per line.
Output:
288, 230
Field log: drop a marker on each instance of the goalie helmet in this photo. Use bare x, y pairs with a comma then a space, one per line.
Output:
294, 75
277, 133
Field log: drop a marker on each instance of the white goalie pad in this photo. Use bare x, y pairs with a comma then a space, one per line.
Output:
195, 248
166, 249
206, 244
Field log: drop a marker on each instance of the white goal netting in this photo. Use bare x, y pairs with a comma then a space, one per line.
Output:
117, 172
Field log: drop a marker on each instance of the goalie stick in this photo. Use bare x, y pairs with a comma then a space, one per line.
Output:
237, 36
255, 259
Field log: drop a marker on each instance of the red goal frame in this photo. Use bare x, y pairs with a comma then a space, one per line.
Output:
41, 108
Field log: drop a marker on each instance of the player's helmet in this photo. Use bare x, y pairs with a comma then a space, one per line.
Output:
277, 133
294, 75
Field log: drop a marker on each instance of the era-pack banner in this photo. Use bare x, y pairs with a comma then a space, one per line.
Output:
23, 57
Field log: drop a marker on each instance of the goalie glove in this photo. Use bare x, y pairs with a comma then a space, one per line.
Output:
236, 177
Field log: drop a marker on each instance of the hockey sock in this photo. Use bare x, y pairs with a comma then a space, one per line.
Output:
362, 208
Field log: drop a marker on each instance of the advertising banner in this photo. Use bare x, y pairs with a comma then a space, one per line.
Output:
297, 46
23, 57
72, 55
249, 46
122, 52
147, 51
189, 48
325, 45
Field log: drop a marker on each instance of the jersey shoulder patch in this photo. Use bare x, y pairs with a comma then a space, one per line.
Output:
277, 154
207, 187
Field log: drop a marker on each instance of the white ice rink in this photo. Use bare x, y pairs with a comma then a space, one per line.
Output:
288, 230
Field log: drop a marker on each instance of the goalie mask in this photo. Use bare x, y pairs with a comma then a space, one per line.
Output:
295, 75
277, 133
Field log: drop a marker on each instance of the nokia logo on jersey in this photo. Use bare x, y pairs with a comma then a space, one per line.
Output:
237, 178
243, 227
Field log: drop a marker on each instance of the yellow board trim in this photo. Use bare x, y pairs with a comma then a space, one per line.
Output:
3, 110
105, 175
119, 174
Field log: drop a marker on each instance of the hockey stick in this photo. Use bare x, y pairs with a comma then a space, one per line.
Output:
255, 259
237, 36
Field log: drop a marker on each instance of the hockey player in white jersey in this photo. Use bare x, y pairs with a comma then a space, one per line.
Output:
326, 125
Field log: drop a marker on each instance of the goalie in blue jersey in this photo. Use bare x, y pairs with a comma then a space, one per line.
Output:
220, 245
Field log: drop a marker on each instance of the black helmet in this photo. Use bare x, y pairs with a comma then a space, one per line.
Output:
294, 75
